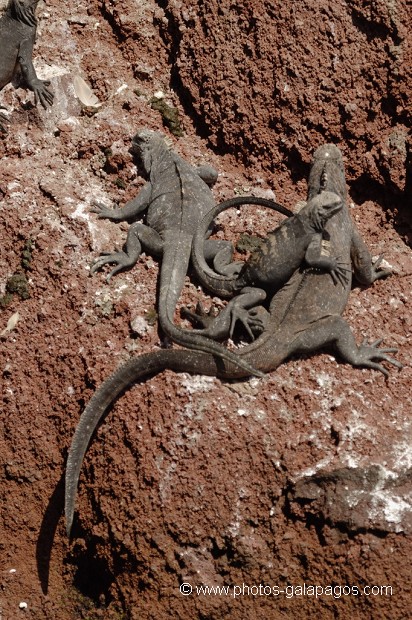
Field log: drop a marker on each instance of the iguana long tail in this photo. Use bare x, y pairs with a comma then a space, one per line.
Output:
221, 285
266, 353
137, 368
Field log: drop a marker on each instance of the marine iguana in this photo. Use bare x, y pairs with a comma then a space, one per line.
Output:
17, 35
299, 240
176, 198
305, 315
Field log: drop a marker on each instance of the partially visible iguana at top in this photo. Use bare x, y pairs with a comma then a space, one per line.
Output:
175, 199
17, 35
305, 315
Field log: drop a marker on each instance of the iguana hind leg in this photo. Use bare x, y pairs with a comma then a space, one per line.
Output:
243, 309
220, 253
335, 331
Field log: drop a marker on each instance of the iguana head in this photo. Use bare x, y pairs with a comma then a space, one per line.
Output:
24, 11
327, 172
321, 208
148, 147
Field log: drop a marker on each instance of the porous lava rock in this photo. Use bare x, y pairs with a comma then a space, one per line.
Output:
262, 488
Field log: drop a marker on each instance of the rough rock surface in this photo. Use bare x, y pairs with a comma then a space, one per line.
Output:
303, 477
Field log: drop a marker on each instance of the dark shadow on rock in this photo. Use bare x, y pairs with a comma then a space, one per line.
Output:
47, 533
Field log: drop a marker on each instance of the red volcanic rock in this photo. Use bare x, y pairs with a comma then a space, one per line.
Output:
263, 486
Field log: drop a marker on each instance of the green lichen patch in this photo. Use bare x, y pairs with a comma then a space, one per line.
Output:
169, 114
18, 284
27, 254
248, 243
120, 183
5, 300
151, 316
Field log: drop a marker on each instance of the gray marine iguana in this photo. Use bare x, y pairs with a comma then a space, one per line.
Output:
17, 35
299, 240
305, 315
175, 199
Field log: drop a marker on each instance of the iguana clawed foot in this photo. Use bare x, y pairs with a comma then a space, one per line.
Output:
42, 94
103, 212
367, 352
249, 319
339, 274
377, 272
220, 326
201, 317
122, 260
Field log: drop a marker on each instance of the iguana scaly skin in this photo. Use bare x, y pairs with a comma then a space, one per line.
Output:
305, 315
299, 239
17, 35
175, 199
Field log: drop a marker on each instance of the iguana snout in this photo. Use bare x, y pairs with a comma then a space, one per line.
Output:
147, 146
327, 172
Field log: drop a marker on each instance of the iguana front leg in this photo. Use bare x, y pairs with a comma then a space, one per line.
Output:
131, 209
42, 94
139, 236
318, 256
